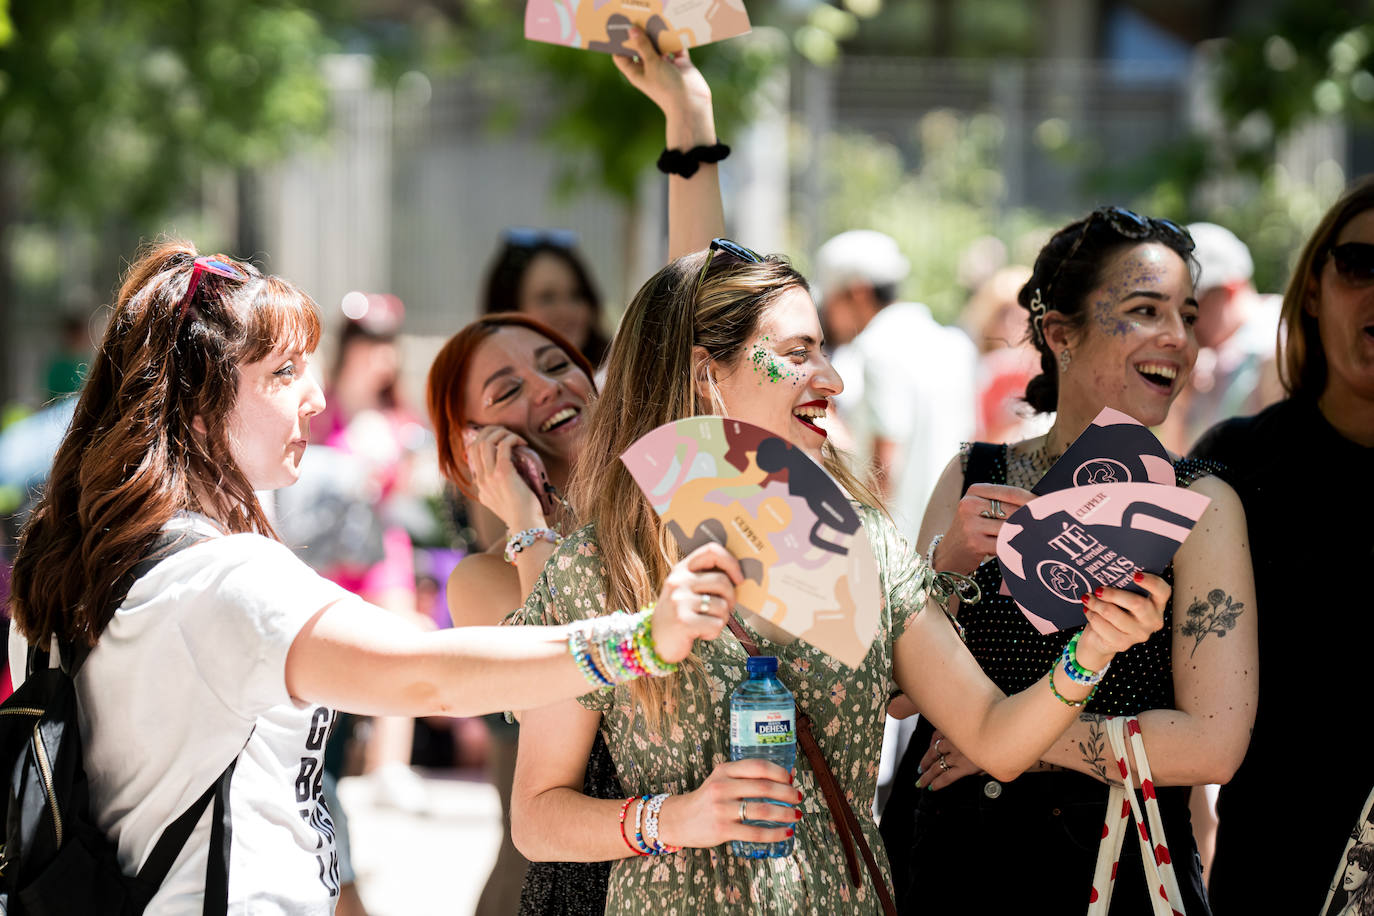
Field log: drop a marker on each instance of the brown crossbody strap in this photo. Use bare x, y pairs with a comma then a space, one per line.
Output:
846, 822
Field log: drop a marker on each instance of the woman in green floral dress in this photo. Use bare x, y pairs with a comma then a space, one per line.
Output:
689, 344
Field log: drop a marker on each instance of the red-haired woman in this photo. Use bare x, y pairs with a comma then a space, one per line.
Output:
207, 653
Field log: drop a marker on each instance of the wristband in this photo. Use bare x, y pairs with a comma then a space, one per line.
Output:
686, 162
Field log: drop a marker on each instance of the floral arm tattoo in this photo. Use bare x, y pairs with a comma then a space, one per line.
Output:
1216, 613
1095, 748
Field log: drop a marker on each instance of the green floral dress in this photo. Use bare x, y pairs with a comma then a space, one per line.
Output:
847, 707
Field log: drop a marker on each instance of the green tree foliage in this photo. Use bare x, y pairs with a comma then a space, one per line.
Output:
115, 107
936, 211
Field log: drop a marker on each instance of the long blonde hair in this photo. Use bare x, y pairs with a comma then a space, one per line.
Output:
651, 379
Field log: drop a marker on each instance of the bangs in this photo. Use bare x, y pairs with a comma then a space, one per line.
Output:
280, 316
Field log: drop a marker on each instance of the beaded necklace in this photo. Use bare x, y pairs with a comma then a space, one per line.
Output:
1025, 467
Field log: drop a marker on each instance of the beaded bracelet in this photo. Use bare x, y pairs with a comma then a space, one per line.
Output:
521, 539
651, 827
625, 809
648, 654
639, 830
617, 648
1076, 704
580, 651
930, 551
1076, 672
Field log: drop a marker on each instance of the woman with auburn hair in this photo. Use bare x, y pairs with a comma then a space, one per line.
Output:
1111, 310
688, 345
508, 389
206, 653
1299, 467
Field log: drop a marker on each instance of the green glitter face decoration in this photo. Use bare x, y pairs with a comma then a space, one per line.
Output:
769, 367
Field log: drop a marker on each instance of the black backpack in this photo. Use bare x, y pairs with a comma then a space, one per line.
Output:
54, 860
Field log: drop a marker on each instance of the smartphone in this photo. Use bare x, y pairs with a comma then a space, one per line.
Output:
530, 467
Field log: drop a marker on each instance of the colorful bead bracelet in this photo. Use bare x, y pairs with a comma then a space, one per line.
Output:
617, 648
517, 542
1076, 672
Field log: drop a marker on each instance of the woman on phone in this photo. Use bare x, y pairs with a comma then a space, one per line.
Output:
229, 651
689, 344
1111, 311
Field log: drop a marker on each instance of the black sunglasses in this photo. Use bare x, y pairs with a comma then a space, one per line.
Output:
1354, 262
1127, 224
727, 247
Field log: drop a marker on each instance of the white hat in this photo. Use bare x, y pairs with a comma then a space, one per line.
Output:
1224, 259
860, 254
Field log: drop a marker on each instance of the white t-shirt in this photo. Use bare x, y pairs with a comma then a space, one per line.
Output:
920, 392
191, 664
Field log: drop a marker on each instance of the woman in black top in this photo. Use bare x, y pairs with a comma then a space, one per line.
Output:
1300, 469
1112, 308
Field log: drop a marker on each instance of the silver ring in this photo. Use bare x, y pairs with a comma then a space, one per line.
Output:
995, 506
985, 514
944, 764
706, 602
742, 803
936, 746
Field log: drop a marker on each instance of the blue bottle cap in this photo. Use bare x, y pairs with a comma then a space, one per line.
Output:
762, 665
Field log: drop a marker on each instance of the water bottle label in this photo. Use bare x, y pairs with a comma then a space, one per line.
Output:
762, 728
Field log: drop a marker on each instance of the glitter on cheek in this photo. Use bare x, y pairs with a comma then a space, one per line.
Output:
769, 366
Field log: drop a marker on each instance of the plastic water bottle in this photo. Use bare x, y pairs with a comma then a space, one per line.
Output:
763, 723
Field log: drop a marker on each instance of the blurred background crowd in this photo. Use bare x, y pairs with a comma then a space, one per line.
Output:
413, 163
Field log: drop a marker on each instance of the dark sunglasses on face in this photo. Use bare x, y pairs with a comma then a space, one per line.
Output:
1354, 262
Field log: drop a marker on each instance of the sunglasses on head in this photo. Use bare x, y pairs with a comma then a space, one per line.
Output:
528, 237
207, 264
1127, 224
730, 249
1354, 262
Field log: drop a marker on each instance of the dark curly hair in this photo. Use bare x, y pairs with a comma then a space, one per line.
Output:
1070, 266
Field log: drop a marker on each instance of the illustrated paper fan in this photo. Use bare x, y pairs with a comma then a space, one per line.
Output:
1061, 546
807, 562
1115, 448
603, 25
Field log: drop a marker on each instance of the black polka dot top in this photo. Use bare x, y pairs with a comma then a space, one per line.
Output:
1015, 655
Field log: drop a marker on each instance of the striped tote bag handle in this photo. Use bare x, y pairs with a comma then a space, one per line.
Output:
1122, 806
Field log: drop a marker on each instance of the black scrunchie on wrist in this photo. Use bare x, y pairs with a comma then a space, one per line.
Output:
686, 162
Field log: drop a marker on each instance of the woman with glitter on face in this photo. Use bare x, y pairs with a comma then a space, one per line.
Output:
1111, 307
514, 387
728, 332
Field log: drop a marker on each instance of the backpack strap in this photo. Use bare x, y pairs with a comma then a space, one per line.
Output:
221, 836
73, 655
847, 824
